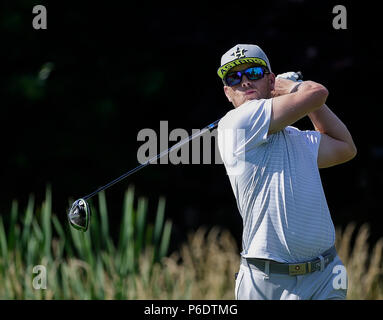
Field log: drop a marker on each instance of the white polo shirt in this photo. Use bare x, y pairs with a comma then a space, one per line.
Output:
277, 185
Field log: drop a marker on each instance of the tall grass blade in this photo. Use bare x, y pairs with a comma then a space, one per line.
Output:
37, 233
104, 223
126, 243
60, 231
88, 248
128, 261
95, 229
11, 235
32, 252
46, 222
104, 215
3, 245
158, 226
127, 210
28, 221
140, 226
165, 239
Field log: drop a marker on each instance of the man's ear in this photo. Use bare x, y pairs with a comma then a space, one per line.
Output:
226, 89
271, 79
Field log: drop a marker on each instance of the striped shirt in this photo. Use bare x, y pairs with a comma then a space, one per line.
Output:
277, 185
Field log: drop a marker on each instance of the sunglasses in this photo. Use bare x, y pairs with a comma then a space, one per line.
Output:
252, 73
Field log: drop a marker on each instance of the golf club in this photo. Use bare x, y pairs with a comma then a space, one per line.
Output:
79, 214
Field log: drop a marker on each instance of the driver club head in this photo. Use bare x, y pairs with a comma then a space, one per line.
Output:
79, 215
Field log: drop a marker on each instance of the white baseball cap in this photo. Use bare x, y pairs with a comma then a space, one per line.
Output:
242, 53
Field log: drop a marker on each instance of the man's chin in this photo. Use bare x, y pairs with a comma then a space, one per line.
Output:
247, 99
252, 97
256, 96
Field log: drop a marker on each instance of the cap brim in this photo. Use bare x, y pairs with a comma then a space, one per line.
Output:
223, 70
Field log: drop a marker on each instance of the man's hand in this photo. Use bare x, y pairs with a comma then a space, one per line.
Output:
282, 86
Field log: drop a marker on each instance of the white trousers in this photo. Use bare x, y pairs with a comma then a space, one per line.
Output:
254, 284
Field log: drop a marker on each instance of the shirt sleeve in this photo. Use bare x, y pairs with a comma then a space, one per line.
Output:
250, 122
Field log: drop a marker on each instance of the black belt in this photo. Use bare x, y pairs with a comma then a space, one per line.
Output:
294, 269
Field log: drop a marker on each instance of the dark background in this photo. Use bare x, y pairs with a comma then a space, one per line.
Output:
119, 67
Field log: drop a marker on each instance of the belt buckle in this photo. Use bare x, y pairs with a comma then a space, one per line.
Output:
297, 269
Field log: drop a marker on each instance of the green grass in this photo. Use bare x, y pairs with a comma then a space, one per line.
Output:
136, 264
90, 265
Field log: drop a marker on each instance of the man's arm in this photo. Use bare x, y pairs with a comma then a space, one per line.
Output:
336, 145
288, 108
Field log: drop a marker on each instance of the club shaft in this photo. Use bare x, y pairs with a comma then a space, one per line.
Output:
155, 158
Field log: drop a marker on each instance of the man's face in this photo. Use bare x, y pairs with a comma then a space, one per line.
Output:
249, 89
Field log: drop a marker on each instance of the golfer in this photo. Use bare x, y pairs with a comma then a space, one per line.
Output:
288, 235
